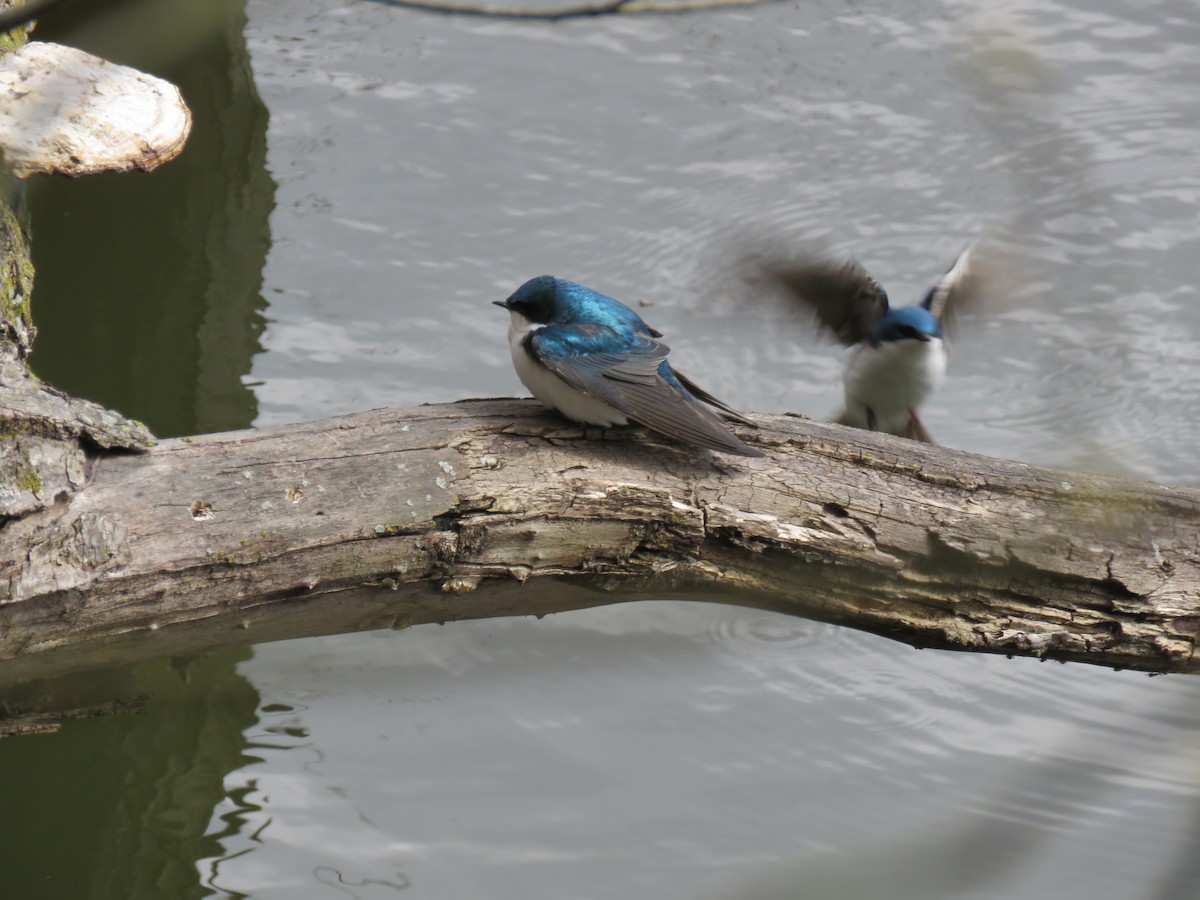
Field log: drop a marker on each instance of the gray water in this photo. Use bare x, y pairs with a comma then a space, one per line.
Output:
422, 166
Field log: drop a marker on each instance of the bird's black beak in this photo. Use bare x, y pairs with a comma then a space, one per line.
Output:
503, 303
923, 336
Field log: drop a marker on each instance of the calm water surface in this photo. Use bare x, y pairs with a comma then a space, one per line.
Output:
363, 180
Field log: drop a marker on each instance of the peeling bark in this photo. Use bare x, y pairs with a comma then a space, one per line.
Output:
398, 517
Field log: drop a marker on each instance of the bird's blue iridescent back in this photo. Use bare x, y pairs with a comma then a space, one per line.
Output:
578, 304
589, 339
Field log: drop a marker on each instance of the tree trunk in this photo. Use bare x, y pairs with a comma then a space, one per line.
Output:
398, 517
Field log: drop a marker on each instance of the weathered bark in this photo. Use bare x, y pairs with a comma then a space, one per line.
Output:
45, 435
398, 517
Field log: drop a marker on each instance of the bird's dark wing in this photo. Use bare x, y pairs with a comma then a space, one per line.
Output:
629, 376
726, 411
846, 299
957, 288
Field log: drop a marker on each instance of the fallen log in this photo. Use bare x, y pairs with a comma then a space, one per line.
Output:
394, 518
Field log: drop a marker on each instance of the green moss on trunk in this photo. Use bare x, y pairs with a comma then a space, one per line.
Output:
16, 268
16, 271
17, 37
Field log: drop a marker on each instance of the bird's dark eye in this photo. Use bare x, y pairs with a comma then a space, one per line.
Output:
908, 331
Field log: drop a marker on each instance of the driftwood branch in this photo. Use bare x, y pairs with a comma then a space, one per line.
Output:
490, 508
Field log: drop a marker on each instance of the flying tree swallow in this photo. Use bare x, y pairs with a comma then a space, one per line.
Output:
898, 355
594, 360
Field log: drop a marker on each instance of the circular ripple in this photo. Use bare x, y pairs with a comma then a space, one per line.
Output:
764, 635
872, 684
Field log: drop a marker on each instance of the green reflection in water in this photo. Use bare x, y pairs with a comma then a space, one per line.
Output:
148, 300
119, 806
147, 296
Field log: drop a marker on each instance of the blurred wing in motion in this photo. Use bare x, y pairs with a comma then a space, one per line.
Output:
846, 299
958, 287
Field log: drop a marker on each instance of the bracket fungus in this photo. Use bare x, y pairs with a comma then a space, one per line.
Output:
66, 112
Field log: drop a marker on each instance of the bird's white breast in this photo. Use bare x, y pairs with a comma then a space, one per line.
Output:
891, 379
551, 389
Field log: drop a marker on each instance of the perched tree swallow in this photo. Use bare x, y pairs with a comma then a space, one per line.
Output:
594, 360
898, 356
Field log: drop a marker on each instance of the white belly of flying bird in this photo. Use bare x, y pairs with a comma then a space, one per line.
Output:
891, 380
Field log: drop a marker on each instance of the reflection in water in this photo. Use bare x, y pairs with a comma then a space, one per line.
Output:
147, 290
119, 806
147, 299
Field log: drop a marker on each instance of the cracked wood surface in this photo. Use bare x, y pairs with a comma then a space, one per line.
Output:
494, 508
